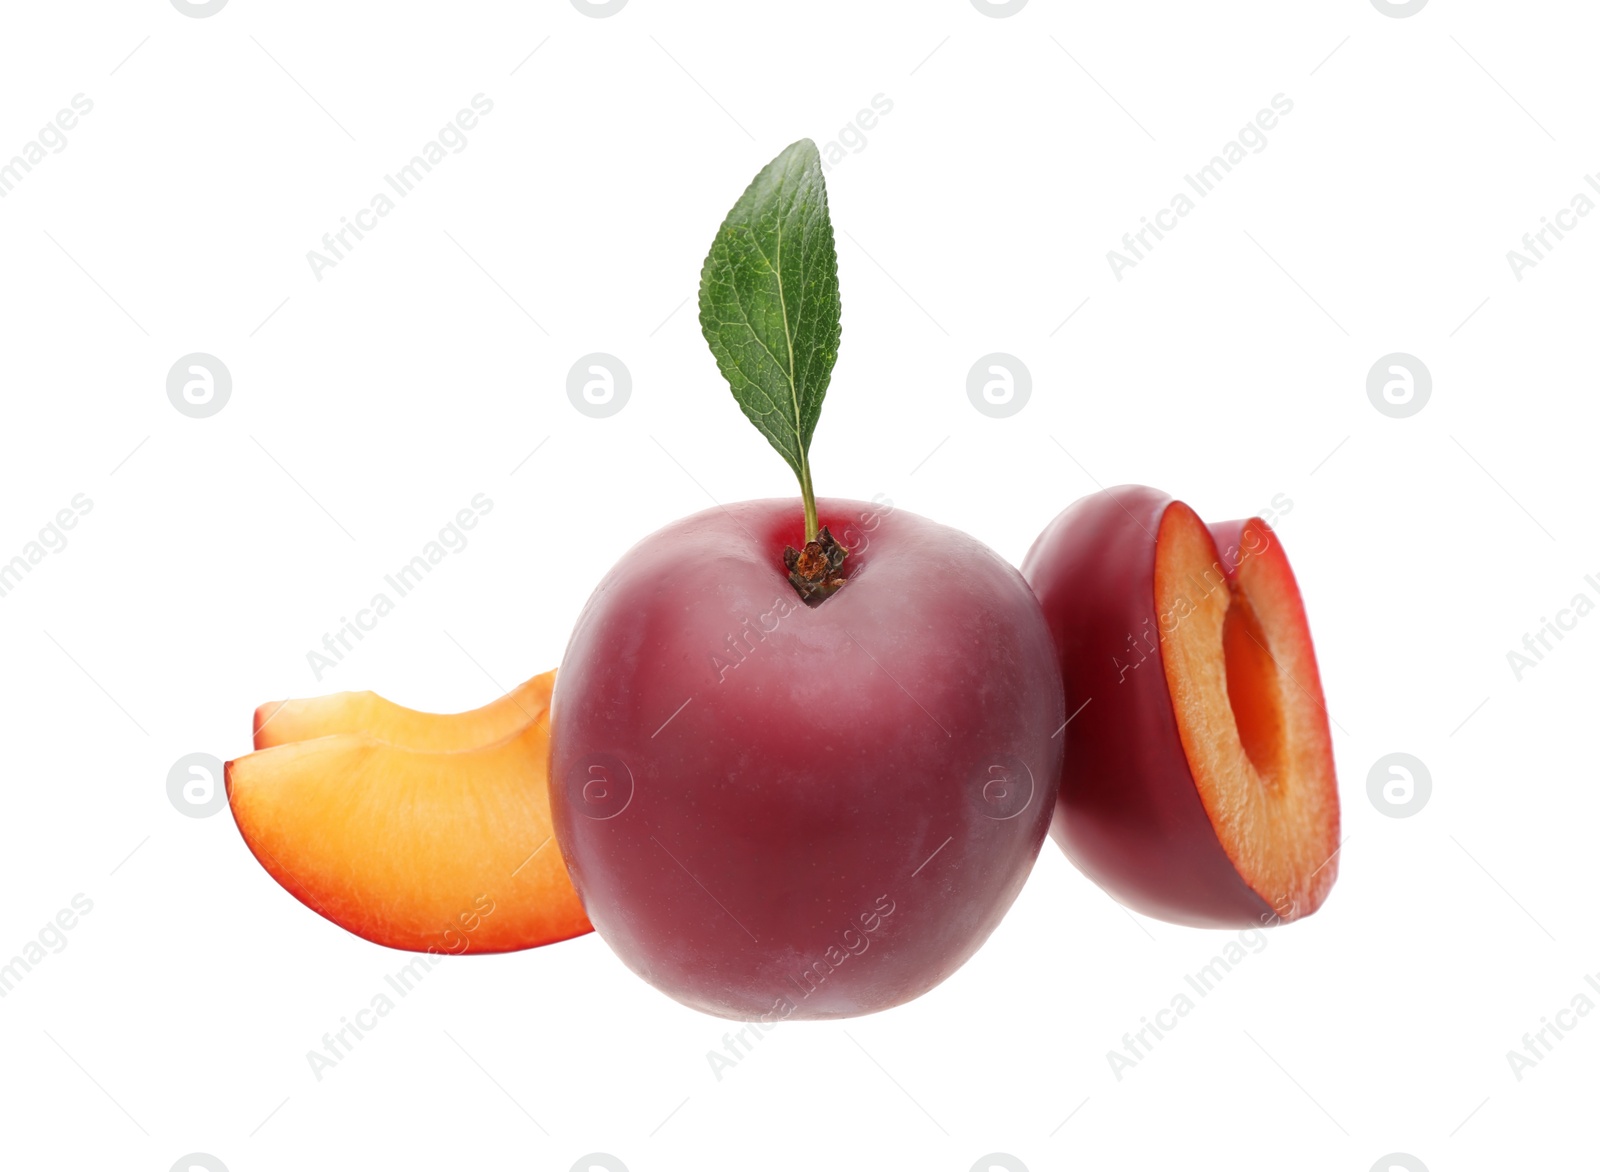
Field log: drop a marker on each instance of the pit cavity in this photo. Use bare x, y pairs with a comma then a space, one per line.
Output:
1254, 691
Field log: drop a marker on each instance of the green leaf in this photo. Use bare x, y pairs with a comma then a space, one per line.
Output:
769, 305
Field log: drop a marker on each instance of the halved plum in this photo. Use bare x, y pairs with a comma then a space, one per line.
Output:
1198, 780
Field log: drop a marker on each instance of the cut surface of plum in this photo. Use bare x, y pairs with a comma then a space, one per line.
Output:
1249, 706
283, 722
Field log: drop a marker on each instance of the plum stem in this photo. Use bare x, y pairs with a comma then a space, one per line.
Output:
808, 497
814, 570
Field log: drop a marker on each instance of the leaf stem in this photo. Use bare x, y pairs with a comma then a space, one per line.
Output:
808, 497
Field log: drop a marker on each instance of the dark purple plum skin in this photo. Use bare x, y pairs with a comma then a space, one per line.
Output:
1128, 814
826, 814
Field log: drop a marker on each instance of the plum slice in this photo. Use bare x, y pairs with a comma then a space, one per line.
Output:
432, 851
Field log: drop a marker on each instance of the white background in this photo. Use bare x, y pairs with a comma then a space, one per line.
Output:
369, 406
